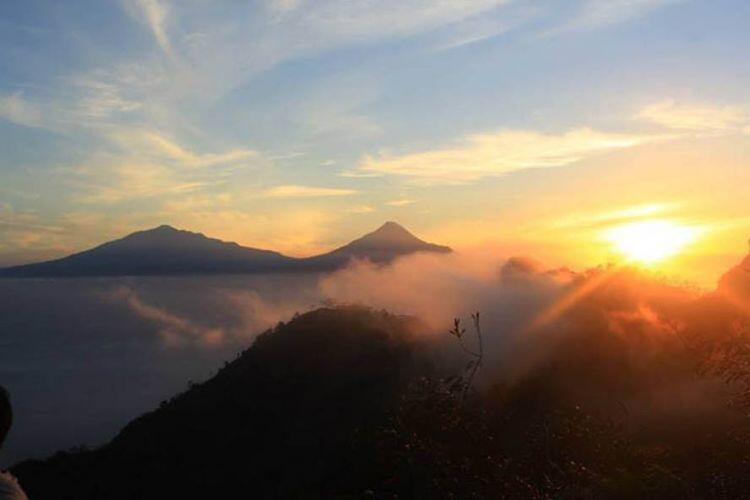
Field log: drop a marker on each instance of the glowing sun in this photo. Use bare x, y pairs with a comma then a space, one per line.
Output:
649, 242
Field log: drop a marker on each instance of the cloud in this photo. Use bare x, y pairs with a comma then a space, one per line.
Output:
110, 181
617, 323
247, 314
518, 296
363, 209
102, 97
345, 114
198, 203
240, 40
18, 110
284, 5
619, 215
12, 219
94, 101
500, 153
153, 144
300, 231
173, 329
619, 336
25, 236
296, 191
389, 18
474, 33
485, 26
454, 283
136, 163
694, 117
400, 203
154, 13
594, 14
358, 174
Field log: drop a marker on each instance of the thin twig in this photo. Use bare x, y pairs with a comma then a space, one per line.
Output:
479, 356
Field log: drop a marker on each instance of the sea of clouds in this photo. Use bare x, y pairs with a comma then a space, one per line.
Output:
82, 357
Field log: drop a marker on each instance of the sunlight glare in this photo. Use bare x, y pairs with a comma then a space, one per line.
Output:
649, 242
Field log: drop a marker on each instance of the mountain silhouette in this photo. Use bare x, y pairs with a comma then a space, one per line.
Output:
382, 245
168, 251
162, 250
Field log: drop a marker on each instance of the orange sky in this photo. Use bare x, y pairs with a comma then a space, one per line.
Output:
521, 127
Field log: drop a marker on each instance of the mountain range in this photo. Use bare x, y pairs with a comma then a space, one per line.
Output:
166, 250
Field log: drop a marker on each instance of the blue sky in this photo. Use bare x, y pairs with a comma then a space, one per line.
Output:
299, 124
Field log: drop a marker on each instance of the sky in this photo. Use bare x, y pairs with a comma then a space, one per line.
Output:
542, 128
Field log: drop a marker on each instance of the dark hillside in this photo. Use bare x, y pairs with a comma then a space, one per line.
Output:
280, 421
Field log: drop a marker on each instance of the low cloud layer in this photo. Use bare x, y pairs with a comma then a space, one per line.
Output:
102, 351
619, 340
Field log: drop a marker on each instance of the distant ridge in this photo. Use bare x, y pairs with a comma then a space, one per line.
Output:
165, 250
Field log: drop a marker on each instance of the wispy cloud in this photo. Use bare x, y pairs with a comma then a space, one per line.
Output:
154, 144
695, 117
345, 114
154, 14
387, 18
135, 163
174, 330
362, 209
235, 46
10, 218
594, 14
296, 191
104, 94
359, 174
15, 109
400, 203
108, 183
500, 153
86, 101
299, 231
24, 235
610, 217
284, 5
486, 26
